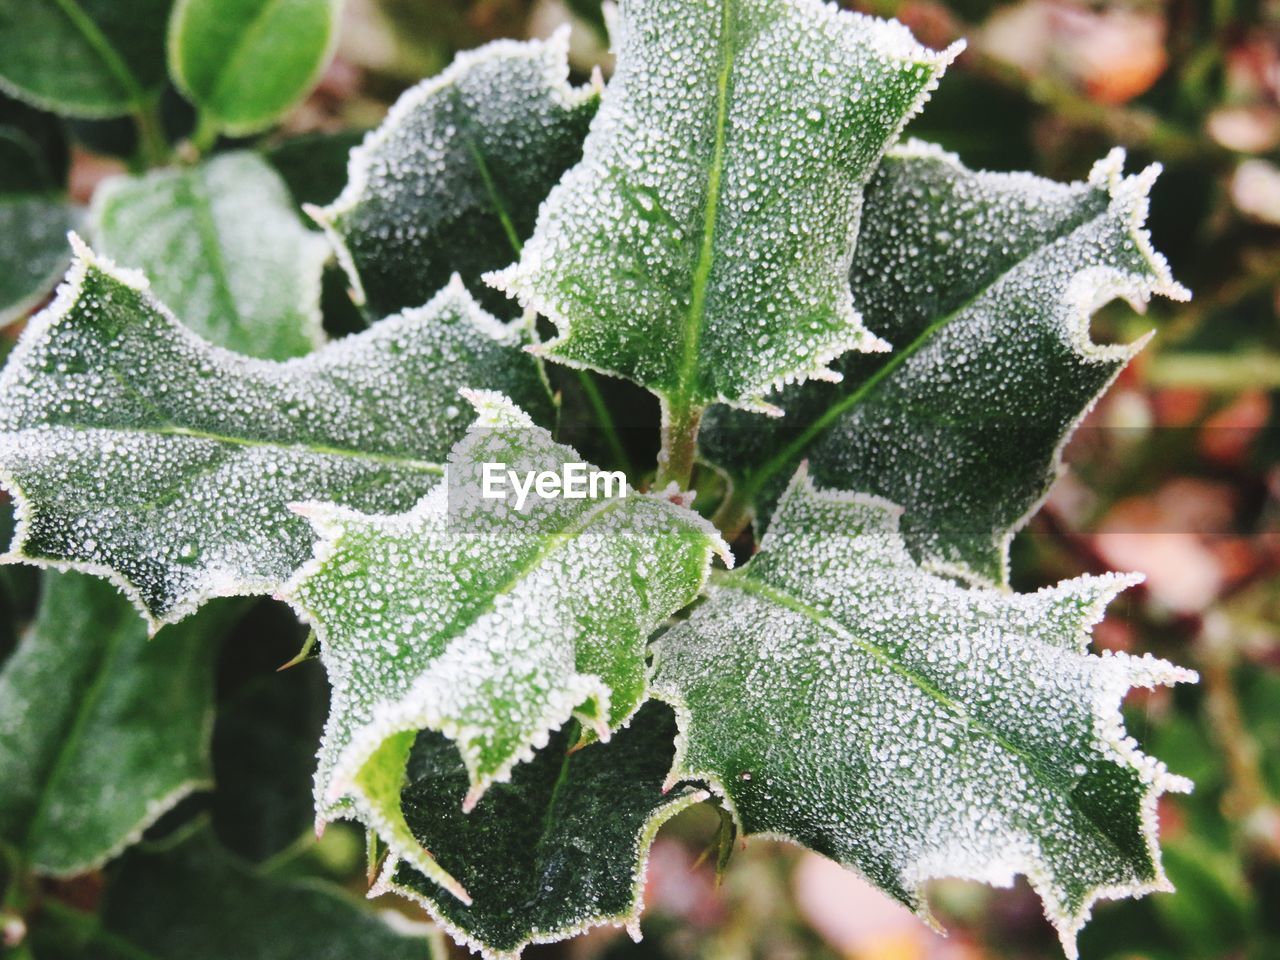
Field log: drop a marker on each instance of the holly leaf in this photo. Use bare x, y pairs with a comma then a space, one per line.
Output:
834, 693
33, 249
88, 58
245, 63
137, 451
984, 283
560, 849
223, 248
188, 899
452, 179
701, 245
101, 731
490, 621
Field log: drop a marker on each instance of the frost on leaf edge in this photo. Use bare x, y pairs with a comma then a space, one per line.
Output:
343, 796
554, 54
1110, 739
454, 293
888, 37
629, 920
312, 258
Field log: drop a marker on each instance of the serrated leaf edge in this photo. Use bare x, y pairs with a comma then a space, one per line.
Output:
629, 920
1109, 734
895, 42
313, 256
554, 54
454, 294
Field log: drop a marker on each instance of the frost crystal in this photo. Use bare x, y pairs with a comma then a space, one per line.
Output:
223, 248
140, 452
490, 625
452, 180
834, 693
701, 246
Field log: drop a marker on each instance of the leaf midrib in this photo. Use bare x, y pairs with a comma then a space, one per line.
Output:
691, 331
753, 483
741, 580
238, 49
201, 204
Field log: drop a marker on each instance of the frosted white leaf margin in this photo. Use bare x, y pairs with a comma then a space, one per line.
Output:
936, 722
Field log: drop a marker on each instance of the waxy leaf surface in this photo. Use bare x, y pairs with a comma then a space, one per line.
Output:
224, 249
984, 283
561, 848
452, 180
102, 730
910, 728
701, 246
490, 624
138, 451
83, 58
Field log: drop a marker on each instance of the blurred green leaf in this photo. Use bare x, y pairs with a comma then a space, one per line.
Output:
101, 731
83, 58
33, 249
244, 63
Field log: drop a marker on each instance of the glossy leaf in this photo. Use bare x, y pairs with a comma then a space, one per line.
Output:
561, 848
188, 899
984, 283
101, 729
910, 728
244, 63
452, 180
140, 452
224, 249
700, 247
83, 58
33, 249
490, 624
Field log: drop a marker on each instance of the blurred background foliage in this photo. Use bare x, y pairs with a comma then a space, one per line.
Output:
1175, 474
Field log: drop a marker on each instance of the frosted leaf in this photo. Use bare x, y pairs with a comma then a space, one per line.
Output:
451, 180
101, 730
701, 245
559, 849
33, 250
223, 248
910, 728
490, 624
984, 283
140, 452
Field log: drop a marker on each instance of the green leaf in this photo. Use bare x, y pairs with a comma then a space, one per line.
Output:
701, 245
138, 451
490, 624
83, 58
101, 730
452, 179
244, 63
314, 165
985, 284
834, 693
33, 249
559, 849
191, 900
223, 248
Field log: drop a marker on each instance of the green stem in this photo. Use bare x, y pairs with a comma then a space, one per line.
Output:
1222, 373
604, 420
205, 136
153, 147
679, 445
734, 513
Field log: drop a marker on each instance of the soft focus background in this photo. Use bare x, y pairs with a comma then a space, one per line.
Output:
1175, 474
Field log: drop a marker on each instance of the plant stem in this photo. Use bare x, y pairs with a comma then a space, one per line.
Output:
1225, 373
153, 148
679, 444
604, 420
205, 136
733, 515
